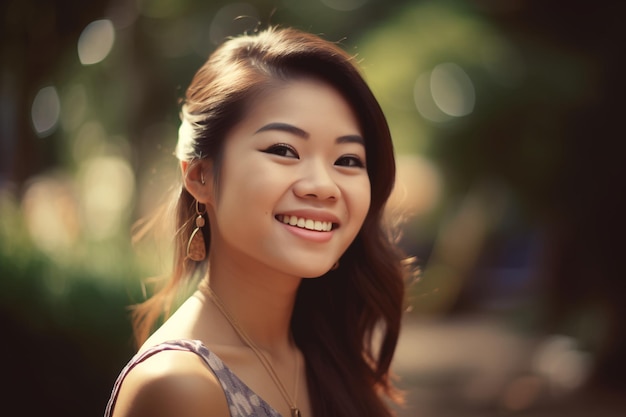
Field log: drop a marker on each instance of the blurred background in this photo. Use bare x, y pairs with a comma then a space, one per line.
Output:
508, 122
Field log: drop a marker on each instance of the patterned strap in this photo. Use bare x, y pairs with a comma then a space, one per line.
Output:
242, 401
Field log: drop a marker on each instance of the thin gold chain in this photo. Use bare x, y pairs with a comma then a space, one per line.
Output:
267, 364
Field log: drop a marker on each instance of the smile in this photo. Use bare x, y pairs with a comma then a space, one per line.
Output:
303, 223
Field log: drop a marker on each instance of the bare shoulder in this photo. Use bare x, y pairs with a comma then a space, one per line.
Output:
171, 383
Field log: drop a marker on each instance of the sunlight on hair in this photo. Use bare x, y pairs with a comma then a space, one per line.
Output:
344, 5
233, 19
50, 211
452, 89
45, 111
107, 188
96, 41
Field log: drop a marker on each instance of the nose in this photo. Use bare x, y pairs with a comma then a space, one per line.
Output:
316, 182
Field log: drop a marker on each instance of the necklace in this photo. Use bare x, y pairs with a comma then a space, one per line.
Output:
267, 364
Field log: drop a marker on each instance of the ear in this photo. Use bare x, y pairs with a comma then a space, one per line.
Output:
198, 180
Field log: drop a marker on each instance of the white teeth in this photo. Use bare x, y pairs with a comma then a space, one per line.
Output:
310, 224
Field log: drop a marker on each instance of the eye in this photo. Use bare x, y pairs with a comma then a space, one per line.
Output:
351, 161
282, 149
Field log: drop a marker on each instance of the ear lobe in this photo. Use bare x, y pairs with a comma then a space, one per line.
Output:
198, 179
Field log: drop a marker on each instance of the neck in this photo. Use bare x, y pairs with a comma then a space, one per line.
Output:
261, 302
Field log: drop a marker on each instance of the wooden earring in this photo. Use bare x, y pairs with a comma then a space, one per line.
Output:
196, 249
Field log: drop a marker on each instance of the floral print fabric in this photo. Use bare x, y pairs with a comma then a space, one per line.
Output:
242, 401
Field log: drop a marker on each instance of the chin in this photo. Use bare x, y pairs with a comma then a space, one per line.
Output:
312, 272
313, 276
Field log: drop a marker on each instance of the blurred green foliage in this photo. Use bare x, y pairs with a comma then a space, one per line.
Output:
525, 182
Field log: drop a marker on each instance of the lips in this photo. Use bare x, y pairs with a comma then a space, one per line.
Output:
306, 223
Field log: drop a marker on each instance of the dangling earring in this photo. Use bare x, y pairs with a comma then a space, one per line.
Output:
196, 249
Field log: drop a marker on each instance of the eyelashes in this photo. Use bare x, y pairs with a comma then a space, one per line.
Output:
350, 161
287, 151
282, 149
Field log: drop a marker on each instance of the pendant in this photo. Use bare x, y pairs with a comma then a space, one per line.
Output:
295, 412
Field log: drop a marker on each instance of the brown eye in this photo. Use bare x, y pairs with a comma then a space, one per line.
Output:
350, 161
282, 149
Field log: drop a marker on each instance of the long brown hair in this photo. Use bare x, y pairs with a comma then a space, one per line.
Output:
346, 322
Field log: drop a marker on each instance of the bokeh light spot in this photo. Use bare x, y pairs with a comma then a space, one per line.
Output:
107, 188
424, 100
96, 41
452, 90
560, 361
45, 111
50, 213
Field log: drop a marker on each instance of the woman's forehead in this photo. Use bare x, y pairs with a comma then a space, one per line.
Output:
303, 102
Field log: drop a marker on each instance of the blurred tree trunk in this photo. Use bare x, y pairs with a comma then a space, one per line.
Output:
586, 259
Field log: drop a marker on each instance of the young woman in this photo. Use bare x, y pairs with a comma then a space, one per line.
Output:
287, 163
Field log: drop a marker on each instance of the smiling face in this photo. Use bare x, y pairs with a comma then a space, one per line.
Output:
293, 188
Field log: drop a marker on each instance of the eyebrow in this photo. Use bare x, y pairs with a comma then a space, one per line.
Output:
286, 127
358, 139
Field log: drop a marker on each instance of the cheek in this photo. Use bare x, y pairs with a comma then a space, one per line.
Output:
359, 202
365, 203
245, 192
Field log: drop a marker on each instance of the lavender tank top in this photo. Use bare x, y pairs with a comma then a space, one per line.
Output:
242, 401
